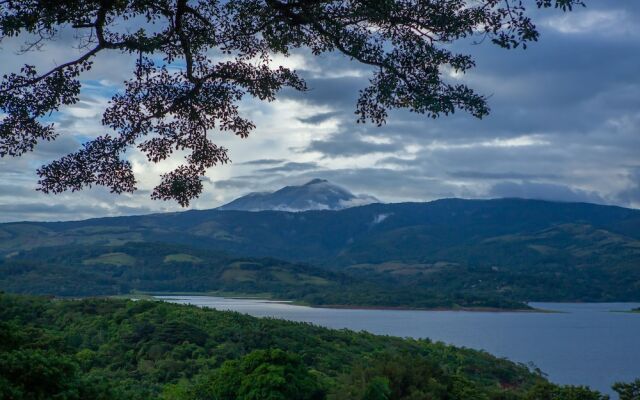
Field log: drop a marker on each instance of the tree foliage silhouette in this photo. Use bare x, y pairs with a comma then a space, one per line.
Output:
178, 93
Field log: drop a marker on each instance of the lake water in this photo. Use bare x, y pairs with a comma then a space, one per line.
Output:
583, 344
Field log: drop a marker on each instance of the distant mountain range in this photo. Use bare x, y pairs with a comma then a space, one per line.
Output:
450, 251
318, 194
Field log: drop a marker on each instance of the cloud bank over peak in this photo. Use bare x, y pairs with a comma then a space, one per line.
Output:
317, 194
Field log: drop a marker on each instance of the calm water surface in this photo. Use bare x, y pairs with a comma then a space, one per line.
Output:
583, 344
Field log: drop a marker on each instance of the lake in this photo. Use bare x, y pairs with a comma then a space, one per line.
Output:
582, 344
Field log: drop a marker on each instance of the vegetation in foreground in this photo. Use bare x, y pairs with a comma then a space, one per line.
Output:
116, 349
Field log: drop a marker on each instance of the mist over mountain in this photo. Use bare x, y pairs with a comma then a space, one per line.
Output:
317, 194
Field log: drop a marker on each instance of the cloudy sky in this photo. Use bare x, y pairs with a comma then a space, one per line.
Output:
565, 125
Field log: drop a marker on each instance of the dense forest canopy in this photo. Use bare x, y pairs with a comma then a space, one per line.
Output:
162, 268
196, 60
112, 349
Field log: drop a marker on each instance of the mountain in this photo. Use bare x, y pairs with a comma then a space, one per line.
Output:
368, 234
318, 194
451, 248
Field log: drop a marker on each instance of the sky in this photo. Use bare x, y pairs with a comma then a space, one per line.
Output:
564, 125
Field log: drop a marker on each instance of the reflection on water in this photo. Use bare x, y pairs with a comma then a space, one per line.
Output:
583, 344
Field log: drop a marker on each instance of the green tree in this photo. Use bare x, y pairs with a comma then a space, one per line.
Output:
262, 375
377, 389
547, 391
39, 374
396, 375
178, 93
628, 391
182, 390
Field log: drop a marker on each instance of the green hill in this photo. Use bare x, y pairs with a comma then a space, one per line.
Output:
373, 233
111, 349
157, 267
568, 262
506, 250
93, 270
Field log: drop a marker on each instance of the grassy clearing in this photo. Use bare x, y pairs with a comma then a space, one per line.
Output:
112, 259
182, 258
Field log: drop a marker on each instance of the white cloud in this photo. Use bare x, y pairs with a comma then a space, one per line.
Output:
380, 218
564, 122
520, 141
595, 22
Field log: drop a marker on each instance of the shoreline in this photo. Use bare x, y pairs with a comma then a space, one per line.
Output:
238, 296
461, 309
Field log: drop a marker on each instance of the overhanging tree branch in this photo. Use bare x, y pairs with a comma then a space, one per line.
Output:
161, 110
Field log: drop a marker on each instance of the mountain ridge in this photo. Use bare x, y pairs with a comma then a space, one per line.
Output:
456, 216
516, 249
317, 194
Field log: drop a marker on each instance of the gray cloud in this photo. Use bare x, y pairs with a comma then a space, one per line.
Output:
631, 195
339, 92
543, 191
499, 175
347, 143
388, 184
60, 147
55, 212
12, 190
263, 162
564, 126
290, 167
235, 183
319, 118
396, 161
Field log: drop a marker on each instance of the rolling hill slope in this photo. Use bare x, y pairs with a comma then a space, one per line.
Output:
522, 249
96, 270
157, 267
406, 231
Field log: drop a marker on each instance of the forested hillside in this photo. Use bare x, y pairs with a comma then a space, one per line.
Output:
111, 349
157, 267
375, 233
448, 253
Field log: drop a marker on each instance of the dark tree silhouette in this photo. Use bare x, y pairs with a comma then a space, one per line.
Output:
628, 391
163, 109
